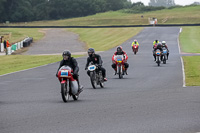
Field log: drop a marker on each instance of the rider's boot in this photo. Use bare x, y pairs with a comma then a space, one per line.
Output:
80, 87
126, 72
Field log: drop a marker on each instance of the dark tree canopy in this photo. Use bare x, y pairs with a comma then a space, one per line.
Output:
32, 10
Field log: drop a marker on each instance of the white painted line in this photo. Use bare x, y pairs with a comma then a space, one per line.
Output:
182, 63
181, 30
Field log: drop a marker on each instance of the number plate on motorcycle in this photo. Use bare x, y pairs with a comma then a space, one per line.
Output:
164, 51
64, 73
91, 68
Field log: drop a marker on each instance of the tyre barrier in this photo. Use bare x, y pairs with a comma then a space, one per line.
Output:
27, 42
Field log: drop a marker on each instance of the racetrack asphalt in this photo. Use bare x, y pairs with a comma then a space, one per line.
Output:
150, 99
55, 42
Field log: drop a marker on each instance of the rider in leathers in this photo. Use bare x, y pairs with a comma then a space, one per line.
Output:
71, 62
96, 59
120, 52
159, 46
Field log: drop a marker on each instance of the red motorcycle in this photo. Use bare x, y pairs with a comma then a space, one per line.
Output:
69, 86
135, 48
120, 68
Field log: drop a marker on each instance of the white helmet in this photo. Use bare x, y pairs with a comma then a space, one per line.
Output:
163, 42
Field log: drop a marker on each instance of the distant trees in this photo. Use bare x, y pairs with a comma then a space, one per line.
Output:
165, 3
31, 10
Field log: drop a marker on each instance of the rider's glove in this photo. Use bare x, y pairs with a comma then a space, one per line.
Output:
56, 74
85, 68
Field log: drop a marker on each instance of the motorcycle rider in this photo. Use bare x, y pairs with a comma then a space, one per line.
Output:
120, 52
135, 42
70, 61
96, 59
164, 45
159, 46
155, 43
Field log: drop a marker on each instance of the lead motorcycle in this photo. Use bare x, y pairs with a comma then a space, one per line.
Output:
69, 86
158, 56
96, 76
120, 68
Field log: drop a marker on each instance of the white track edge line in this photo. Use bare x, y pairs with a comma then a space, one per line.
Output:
182, 63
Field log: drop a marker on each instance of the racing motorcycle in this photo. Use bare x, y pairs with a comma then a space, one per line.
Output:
158, 56
164, 55
69, 86
96, 76
135, 48
120, 68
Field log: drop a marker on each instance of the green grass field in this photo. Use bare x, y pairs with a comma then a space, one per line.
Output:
181, 15
190, 39
13, 63
192, 70
18, 34
102, 39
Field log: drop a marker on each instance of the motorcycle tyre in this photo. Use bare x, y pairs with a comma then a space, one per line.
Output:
64, 93
93, 81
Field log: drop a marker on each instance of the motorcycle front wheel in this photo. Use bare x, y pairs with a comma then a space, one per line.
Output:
93, 79
64, 92
120, 72
158, 61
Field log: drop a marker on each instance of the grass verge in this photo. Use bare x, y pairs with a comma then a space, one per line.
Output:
189, 39
14, 63
192, 70
102, 39
18, 34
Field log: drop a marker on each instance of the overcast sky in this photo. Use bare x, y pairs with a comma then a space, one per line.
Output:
178, 2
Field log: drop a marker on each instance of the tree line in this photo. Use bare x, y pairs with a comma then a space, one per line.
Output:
34, 10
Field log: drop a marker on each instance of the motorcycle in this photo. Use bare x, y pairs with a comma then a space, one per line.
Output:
158, 56
120, 68
135, 48
69, 86
96, 76
164, 54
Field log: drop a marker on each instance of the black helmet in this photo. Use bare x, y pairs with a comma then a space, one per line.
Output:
66, 53
119, 49
91, 50
159, 45
156, 41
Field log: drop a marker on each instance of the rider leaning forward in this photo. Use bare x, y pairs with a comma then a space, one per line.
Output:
96, 59
71, 62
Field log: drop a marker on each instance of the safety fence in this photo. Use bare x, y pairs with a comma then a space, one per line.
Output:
16, 46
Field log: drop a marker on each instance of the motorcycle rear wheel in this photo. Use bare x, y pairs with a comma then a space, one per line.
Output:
64, 92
